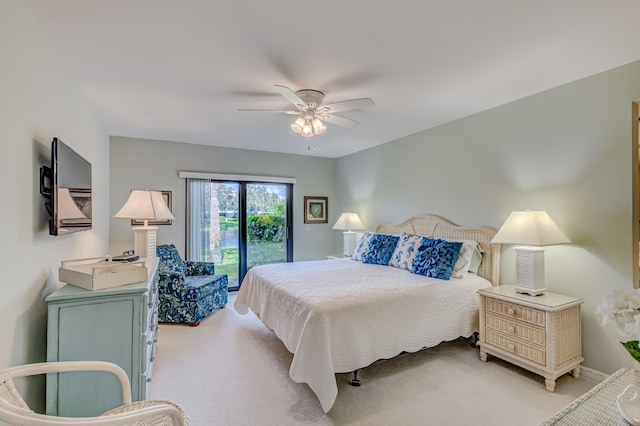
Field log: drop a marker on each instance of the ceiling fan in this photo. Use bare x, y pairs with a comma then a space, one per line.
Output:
312, 112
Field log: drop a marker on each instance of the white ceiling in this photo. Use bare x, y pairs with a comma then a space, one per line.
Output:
178, 70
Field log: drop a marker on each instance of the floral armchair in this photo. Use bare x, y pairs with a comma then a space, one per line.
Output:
188, 291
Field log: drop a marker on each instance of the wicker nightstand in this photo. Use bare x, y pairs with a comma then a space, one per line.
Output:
539, 333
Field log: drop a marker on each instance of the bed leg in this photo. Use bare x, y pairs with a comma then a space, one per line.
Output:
474, 339
355, 381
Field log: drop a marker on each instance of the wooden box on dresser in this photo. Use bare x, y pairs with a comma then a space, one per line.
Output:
118, 325
539, 333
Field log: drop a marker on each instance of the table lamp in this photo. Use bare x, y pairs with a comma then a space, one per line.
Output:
532, 229
145, 205
348, 222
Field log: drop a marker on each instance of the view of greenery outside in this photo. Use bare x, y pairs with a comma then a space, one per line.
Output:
266, 235
229, 262
266, 228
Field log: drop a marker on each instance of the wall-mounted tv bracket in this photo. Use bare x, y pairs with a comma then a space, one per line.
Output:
45, 188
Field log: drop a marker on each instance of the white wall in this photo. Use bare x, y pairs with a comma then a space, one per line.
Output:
141, 163
567, 150
39, 101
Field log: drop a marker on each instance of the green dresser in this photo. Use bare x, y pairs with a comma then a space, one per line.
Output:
119, 325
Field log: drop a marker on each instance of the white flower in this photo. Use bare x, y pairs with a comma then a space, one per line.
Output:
622, 308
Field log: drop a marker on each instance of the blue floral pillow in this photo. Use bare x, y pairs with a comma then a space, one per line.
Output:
381, 247
436, 258
405, 251
362, 247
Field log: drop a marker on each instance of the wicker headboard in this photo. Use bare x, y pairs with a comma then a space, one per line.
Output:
431, 225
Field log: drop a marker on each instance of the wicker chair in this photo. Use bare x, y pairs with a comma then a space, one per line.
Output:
14, 410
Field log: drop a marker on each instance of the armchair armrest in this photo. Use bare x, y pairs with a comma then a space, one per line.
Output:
195, 268
66, 366
141, 412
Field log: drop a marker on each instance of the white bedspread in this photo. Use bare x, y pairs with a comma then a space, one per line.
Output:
337, 316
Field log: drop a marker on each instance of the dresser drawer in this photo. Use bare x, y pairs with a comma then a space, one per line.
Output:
516, 329
150, 320
150, 302
151, 340
522, 313
145, 381
516, 347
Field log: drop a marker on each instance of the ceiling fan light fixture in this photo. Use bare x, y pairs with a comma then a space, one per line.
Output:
307, 129
297, 125
318, 126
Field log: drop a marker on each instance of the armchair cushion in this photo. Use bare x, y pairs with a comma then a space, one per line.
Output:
190, 288
170, 260
194, 268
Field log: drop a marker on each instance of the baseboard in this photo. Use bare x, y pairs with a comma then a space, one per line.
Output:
591, 374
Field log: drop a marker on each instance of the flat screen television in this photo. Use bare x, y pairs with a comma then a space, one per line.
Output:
66, 188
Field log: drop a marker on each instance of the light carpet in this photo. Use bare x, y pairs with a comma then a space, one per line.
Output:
232, 370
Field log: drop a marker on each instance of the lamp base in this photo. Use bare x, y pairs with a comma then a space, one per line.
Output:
349, 242
530, 270
530, 291
145, 241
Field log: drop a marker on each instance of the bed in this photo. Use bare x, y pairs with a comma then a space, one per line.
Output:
337, 316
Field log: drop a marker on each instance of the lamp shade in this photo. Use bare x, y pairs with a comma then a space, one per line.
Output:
532, 228
348, 222
145, 204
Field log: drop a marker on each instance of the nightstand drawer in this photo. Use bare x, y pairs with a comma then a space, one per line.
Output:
532, 353
522, 313
516, 329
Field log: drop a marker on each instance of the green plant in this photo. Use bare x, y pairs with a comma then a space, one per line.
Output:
266, 228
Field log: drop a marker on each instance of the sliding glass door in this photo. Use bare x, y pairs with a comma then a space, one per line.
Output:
238, 225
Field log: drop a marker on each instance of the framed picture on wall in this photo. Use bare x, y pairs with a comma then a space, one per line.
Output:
315, 209
167, 199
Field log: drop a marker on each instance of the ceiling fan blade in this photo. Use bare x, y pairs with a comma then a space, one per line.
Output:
290, 95
349, 105
340, 121
290, 112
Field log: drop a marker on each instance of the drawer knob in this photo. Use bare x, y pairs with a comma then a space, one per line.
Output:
149, 380
511, 311
511, 330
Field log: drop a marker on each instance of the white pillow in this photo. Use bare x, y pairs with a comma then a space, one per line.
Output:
476, 259
463, 263
405, 251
